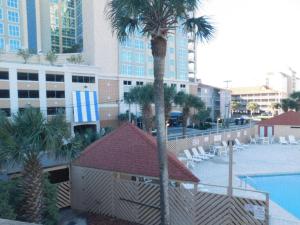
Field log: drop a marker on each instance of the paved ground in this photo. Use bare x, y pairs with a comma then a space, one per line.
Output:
257, 159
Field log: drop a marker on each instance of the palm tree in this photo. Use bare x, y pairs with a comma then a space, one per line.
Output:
169, 95
143, 96
23, 140
274, 107
252, 106
235, 106
51, 57
187, 102
289, 104
157, 19
25, 54
129, 99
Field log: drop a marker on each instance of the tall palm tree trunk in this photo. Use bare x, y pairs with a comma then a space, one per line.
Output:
147, 118
32, 186
159, 48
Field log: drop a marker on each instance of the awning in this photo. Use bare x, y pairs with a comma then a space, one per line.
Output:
85, 105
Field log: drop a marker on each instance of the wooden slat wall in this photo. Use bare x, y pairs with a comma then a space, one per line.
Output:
63, 195
139, 202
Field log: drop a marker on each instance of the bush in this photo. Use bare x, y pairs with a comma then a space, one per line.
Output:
11, 198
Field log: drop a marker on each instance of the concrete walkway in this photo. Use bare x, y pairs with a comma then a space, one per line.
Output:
257, 159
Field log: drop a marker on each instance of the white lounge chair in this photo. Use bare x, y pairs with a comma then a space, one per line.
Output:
283, 141
197, 155
238, 143
292, 140
202, 152
190, 157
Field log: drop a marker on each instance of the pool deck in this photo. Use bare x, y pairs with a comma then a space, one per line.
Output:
255, 160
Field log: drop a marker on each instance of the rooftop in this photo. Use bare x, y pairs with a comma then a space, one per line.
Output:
252, 90
130, 150
291, 118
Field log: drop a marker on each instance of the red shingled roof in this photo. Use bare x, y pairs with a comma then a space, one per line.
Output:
289, 118
130, 150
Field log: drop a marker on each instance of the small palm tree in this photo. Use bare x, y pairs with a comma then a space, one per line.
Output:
169, 95
157, 19
25, 54
23, 140
252, 107
51, 57
187, 102
129, 99
143, 96
235, 106
274, 107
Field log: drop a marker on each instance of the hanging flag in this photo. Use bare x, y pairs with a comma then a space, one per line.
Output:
85, 105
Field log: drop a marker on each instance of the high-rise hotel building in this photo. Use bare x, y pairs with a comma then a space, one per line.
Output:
90, 93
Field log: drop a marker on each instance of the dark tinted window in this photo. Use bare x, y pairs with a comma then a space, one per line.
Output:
83, 79
55, 94
55, 110
6, 111
55, 77
4, 75
28, 94
28, 76
4, 93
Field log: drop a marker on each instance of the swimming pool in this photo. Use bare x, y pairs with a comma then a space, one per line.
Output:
284, 189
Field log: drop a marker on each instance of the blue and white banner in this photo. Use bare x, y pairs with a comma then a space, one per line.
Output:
85, 106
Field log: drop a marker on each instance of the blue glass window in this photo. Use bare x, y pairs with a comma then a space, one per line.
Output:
13, 16
13, 30
13, 3
1, 14
1, 28
14, 44
2, 43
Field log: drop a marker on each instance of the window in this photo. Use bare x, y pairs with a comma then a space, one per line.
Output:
13, 16
83, 79
14, 44
174, 85
4, 93
139, 83
4, 75
1, 28
54, 78
28, 94
28, 76
55, 110
12, 3
182, 85
127, 82
6, 111
13, 30
55, 94
1, 14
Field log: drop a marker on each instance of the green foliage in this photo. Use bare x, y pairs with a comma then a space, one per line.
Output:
252, 106
51, 57
25, 54
169, 95
127, 17
11, 199
235, 105
125, 116
289, 104
75, 59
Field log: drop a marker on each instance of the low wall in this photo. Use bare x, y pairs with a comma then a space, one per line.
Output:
178, 145
13, 222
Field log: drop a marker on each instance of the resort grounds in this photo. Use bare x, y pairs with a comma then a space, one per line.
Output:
257, 159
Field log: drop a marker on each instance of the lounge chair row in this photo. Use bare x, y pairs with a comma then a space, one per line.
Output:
290, 140
270, 140
197, 154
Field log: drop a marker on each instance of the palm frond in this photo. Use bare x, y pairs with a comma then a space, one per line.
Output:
201, 27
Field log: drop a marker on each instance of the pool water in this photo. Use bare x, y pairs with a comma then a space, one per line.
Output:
283, 189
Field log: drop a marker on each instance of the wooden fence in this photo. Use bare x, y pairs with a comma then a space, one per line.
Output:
98, 191
177, 145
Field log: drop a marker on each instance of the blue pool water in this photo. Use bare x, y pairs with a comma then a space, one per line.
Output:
283, 189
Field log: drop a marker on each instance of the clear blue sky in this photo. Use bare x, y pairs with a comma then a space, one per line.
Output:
253, 37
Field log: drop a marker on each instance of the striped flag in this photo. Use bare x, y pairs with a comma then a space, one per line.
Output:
85, 105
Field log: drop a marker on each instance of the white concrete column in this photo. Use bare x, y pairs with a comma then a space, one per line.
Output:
68, 97
13, 87
97, 90
42, 92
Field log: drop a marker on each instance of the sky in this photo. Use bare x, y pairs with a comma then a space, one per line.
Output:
253, 38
